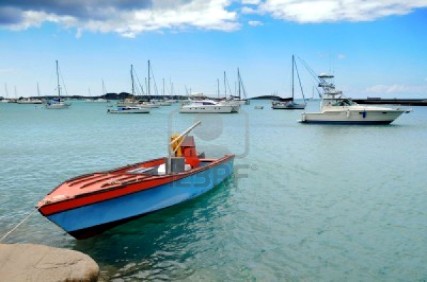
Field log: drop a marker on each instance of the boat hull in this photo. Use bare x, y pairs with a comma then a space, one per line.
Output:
225, 109
289, 105
57, 106
348, 116
285, 107
88, 220
135, 111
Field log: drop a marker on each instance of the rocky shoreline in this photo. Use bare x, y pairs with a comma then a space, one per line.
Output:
30, 262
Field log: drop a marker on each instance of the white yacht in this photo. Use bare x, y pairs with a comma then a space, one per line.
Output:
337, 109
209, 106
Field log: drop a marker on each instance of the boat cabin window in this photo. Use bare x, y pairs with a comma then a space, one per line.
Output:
345, 102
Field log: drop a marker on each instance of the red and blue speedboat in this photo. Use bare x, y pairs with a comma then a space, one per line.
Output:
92, 203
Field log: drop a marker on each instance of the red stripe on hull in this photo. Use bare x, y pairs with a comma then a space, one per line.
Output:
123, 189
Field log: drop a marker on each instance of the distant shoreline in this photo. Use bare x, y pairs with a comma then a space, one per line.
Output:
125, 95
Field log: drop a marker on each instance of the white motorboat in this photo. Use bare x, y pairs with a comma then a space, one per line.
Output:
209, 107
128, 110
337, 109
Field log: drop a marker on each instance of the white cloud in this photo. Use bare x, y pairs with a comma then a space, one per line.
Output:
249, 10
255, 23
315, 11
397, 89
129, 21
251, 2
341, 56
132, 17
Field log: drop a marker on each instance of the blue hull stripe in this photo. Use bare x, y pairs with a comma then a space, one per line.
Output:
349, 122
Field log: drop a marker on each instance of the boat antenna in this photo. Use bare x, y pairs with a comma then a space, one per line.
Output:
310, 70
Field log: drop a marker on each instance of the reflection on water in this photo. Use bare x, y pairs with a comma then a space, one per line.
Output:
161, 245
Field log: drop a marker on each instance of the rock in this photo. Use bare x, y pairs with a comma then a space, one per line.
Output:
29, 262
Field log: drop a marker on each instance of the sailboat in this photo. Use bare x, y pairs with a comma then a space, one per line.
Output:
290, 105
130, 105
241, 89
57, 103
31, 100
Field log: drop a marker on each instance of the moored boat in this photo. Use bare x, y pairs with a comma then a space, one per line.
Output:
57, 103
209, 107
29, 101
129, 110
337, 109
290, 104
89, 204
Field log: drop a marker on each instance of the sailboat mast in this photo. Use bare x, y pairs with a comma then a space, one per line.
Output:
149, 88
217, 81
225, 85
38, 89
238, 81
57, 78
163, 87
293, 64
131, 77
6, 90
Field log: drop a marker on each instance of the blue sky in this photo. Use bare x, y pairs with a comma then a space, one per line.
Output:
375, 48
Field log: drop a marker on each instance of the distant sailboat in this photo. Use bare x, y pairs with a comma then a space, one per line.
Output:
290, 105
6, 98
240, 90
31, 100
57, 103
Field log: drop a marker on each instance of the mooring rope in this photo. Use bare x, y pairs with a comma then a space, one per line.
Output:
16, 226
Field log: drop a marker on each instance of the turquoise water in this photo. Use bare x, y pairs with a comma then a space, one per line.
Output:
306, 202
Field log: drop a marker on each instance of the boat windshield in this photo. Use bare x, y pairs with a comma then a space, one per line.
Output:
345, 102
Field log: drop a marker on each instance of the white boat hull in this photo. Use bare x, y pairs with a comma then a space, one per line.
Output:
287, 106
210, 109
57, 106
132, 111
353, 115
26, 102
